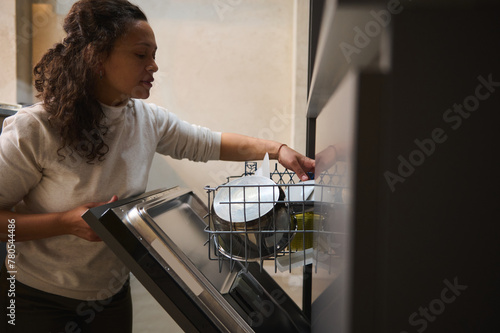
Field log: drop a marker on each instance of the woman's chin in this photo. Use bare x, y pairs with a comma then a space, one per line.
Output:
140, 93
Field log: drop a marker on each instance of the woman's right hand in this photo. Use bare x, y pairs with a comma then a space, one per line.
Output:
76, 225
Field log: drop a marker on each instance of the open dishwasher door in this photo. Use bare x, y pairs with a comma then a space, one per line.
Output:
160, 237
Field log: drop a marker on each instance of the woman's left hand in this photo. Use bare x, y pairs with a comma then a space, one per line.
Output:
296, 162
237, 147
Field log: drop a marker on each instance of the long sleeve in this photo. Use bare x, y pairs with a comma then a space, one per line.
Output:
180, 139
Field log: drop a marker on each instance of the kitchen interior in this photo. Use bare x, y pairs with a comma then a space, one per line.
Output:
406, 88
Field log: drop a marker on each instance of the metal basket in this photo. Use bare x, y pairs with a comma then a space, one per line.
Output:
305, 239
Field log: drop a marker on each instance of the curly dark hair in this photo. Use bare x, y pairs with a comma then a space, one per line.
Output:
66, 75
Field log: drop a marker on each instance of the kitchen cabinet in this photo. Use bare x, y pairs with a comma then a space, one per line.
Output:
424, 250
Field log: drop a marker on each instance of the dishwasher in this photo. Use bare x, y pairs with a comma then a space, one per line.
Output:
208, 279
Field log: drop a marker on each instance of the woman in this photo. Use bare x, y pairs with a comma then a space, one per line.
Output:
92, 126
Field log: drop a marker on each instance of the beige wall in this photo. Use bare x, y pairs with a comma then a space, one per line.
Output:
8, 54
47, 29
231, 69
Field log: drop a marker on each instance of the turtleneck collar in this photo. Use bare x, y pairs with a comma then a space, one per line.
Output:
113, 112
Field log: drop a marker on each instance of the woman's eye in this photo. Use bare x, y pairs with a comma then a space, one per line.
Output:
141, 56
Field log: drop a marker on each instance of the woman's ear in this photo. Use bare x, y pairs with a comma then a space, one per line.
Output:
100, 70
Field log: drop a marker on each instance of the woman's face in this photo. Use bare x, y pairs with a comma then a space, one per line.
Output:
128, 70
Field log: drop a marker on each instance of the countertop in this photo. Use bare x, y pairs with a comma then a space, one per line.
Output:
7, 110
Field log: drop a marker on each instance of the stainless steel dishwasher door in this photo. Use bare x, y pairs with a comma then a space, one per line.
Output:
160, 236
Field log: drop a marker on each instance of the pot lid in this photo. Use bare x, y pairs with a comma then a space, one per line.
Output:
246, 199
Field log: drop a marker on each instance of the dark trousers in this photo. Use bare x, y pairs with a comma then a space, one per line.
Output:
40, 312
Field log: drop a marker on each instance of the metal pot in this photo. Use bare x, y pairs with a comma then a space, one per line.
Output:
250, 219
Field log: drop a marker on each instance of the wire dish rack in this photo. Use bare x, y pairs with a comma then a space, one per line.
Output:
304, 225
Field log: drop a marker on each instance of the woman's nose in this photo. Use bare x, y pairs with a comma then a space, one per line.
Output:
153, 67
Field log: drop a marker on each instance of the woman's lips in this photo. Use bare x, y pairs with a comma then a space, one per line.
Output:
148, 84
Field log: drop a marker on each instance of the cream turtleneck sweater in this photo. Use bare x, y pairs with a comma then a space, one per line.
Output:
33, 179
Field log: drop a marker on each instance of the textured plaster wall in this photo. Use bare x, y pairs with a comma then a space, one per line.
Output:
8, 54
